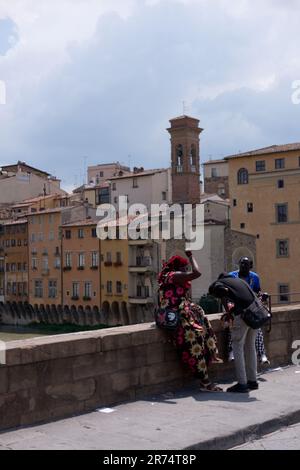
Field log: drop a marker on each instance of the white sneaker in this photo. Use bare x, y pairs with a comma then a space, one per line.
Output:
264, 359
231, 357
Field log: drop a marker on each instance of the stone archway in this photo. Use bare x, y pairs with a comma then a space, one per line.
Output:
115, 313
124, 313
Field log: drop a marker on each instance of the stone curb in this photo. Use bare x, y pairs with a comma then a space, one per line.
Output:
248, 434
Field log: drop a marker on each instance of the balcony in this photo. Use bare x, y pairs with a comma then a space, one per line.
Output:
142, 265
67, 268
80, 268
118, 263
94, 268
107, 263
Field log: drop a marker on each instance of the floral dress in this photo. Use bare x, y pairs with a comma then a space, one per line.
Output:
194, 337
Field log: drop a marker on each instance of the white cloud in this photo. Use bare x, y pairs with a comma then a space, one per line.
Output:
101, 78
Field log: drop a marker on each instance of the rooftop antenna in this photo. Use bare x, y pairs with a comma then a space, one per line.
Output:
184, 108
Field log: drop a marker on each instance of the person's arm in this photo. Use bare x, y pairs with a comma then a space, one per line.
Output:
181, 277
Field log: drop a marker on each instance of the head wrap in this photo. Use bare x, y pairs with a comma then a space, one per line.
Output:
176, 263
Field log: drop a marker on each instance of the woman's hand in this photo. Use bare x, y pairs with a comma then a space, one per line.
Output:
188, 253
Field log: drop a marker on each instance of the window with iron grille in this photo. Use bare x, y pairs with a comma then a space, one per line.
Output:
260, 165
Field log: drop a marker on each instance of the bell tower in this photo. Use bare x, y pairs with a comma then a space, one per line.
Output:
185, 159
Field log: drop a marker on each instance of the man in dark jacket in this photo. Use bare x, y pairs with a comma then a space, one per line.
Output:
243, 337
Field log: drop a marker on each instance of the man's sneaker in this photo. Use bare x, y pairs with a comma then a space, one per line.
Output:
252, 385
238, 388
264, 359
230, 356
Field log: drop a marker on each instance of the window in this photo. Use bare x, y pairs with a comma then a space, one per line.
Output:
101, 174
95, 259
38, 288
243, 176
282, 248
75, 290
119, 287
51, 235
280, 184
102, 196
68, 260
114, 186
281, 213
119, 257
88, 290
279, 163
34, 263
179, 158
135, 183
242, 225
68, 234
51, 218
164, 195
41, 236
109, 287
14, 288
221, 189
81, 260
32, 238
234, 202
283, 291
249, 207
108, 257
45, 264
81, 233
94, 233
19, 242
13, 242
260, 165
214, 172
57, 262
52, 287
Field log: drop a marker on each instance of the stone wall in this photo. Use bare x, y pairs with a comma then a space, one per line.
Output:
53, 377
21, 314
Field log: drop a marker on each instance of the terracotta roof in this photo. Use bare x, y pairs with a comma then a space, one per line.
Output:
141, 173
213, 162
267, 150
15, 222
81, 223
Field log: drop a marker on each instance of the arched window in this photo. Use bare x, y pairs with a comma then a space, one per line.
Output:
179, 155
242, 176
192, 156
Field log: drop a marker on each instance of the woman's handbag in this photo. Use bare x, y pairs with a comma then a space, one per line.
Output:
256, 315
167, 318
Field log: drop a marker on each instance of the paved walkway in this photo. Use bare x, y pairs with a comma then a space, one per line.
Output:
183, 420
285, 439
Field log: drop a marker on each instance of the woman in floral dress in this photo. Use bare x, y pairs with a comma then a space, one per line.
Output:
194, 337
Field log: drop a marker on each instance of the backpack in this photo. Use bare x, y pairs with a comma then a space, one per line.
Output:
167, 318
256, 315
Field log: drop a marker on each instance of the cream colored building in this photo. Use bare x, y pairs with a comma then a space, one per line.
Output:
265, 202
144, 187
98, 174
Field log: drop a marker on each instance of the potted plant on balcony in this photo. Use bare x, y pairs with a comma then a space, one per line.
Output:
67, 268
86, 298
107, 263
80, 268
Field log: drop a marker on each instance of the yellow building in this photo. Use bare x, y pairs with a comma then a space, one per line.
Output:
264, 190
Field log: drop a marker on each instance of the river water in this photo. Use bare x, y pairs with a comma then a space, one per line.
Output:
12, 333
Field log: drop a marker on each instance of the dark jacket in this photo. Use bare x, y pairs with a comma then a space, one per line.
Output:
240, 293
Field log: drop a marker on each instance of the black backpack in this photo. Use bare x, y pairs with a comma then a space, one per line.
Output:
256, 315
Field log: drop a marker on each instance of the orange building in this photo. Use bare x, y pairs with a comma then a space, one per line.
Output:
14, 261
45, 257
81, 280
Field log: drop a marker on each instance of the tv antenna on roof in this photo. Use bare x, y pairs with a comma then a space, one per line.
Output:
184, 108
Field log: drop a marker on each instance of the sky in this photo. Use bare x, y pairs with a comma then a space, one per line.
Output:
95, 81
